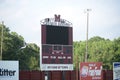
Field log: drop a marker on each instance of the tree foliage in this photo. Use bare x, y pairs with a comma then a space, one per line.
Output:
99, 50
12, 49
29, 57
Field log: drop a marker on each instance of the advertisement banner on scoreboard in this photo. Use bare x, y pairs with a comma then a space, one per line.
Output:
116, 71
91, 71
54, 67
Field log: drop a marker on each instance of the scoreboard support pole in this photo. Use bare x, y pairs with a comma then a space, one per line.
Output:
47, 75
63, 75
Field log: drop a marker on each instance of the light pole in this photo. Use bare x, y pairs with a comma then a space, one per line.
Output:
86, 54
1, 40
23, 47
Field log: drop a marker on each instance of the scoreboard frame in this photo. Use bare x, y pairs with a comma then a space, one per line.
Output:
55, 57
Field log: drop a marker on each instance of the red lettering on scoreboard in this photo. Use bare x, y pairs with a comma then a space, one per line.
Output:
57, 18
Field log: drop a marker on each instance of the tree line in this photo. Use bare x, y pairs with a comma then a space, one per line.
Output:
102, 50
99, 50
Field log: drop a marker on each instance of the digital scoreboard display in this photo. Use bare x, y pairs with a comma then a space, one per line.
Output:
57, 35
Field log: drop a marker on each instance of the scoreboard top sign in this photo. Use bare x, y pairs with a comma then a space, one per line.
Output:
56, 21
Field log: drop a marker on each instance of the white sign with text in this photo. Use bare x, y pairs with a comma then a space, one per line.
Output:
9, 70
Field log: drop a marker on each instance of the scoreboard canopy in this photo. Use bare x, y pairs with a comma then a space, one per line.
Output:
56, 21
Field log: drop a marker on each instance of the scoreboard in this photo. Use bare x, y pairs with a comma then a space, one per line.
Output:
56, 46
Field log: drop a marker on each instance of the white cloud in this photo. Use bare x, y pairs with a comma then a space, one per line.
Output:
24, 16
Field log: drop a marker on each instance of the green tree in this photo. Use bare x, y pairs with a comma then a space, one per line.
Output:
12, 43
13, 50
116, 47
29, 57
99, 50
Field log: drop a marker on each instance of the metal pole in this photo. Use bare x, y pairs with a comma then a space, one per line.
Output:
1, 40
86, 54
77, 67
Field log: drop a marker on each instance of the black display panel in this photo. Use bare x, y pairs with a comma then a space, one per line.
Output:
57, 35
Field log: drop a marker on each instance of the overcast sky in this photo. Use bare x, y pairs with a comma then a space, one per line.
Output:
23, 17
